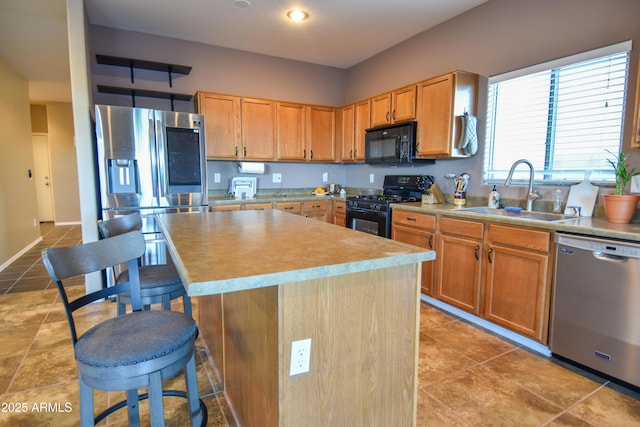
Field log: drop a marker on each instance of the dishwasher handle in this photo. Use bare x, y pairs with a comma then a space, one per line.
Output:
608, 257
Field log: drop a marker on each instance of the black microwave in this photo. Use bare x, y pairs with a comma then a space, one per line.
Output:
391, 144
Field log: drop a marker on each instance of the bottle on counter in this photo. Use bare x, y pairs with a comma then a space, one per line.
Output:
557, 201
494, 198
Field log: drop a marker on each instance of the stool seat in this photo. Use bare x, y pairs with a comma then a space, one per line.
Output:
155, 280
142, 336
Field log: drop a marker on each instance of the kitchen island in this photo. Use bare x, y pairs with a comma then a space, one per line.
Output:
267, 278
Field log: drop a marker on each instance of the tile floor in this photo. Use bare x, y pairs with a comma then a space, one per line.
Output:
467, 377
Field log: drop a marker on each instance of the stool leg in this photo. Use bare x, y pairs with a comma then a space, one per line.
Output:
156, 406
133, 410
122, 308
192, 392
86, 404
166, 302
186, 301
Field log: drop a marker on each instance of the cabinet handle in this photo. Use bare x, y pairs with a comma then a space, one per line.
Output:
411, 219
244, 152
288, 208
431, 242
394, 114
387, 116
477, 251
315, 206
311, 156
304, 153
489, 256
351, 154
236, 151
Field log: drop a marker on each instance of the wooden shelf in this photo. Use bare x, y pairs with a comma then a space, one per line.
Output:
144, 93
144, 65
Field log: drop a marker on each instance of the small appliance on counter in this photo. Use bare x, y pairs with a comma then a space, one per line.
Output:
243, 187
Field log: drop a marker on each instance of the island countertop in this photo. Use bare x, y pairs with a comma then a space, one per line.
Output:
223, 252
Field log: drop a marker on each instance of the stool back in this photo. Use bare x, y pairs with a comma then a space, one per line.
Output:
122, 224
64, 263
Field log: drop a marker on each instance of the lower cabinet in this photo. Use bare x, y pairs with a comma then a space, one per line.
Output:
340, 213
459, 263
224, 208
419, 230
501, 273
518, 277
317, 209
290, 207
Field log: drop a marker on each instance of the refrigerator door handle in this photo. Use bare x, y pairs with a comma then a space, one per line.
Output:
162, 167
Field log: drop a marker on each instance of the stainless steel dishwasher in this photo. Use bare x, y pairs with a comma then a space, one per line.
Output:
595, 318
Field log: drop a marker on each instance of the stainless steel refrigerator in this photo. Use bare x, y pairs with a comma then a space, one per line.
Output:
152, 162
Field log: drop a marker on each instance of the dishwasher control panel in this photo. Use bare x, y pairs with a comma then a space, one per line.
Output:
609, 247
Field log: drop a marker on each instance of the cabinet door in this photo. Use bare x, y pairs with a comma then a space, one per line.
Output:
222, 124
290, 131
258, 129
339, 213
459, 267
516, 291
362, 123
346, 132
381, 110
435, 116
404, 104
316, 210
423, 239
258, 206
321, 133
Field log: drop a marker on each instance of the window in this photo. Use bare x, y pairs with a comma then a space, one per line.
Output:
561, 116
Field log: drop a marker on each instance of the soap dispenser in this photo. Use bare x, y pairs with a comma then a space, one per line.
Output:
494, 198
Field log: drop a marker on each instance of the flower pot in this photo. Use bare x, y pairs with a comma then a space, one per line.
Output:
620, 208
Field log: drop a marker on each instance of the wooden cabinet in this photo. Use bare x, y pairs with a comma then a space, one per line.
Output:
258, 129
362, 123
345, 132
316, 209
419, 230
459, 263
290, 207
441, 102
290, 130
339, 213
517, 279
393, 107
321, 122
222, 124
257, 206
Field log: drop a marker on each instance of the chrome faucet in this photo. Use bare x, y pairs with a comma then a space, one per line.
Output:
531, 195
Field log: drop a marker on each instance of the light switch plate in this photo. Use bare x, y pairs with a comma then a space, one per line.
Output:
635, 184
216, 177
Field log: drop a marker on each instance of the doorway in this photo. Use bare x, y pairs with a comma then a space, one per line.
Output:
42, 176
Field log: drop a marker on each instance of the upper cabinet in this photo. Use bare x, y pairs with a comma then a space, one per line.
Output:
222, 124
258, 118
321, 131
353, 121
290, 130
393, 107
441, 102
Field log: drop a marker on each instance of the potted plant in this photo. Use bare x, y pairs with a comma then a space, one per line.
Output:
619, 207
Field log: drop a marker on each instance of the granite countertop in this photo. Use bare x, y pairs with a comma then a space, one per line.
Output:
232, 251
580, 225
295, 197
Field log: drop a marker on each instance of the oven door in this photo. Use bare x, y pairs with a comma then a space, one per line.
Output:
372, 222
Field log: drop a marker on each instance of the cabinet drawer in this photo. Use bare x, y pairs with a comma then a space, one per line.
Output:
291, 207
461, 227
314, 206
536, 240
258, 206
224, 208
339, 207
414, 219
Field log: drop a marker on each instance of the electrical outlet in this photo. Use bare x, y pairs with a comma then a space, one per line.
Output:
277, 177
216, 177
371, 178
300, 355
325, 177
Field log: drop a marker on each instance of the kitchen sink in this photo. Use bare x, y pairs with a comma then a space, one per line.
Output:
538, 216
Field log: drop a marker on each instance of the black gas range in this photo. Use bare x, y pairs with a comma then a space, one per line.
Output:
372, 214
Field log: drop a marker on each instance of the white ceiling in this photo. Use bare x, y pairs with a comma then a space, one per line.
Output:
338, 33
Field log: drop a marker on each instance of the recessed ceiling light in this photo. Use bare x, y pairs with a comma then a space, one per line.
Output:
241, 3
297, 15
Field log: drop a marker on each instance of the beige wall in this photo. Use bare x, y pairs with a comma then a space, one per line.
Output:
39, 119
18, 209
64, 170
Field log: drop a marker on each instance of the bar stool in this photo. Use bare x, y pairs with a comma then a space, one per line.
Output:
151, 345
159, 284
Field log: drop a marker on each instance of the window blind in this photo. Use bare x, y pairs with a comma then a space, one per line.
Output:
562, 118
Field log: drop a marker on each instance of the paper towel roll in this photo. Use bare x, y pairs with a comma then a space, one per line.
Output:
251, 167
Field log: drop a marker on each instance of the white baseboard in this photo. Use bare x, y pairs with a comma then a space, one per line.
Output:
506, 333
19, 254
67, 223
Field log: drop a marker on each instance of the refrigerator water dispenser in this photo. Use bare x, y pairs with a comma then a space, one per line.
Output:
123, 176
